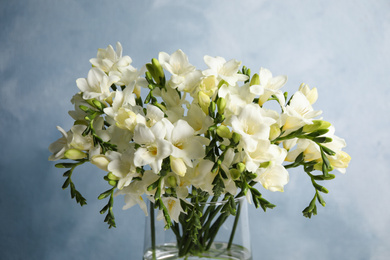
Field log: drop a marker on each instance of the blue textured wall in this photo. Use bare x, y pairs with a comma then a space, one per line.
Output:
340, 47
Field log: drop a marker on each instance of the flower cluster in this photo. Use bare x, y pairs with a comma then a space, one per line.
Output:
199, 132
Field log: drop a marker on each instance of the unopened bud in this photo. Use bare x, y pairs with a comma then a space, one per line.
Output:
255, 80
112, 177
204, 102
178, 166
172, 181
212, 107
221, 103
241, 167
224, 131
74, 154
100, 161
236, 138
317, 125
235, 173
160, 77
274, 131
112, 183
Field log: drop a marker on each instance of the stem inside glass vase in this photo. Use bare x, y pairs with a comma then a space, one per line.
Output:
208, 228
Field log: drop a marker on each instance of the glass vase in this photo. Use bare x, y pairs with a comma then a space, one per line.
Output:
216, 234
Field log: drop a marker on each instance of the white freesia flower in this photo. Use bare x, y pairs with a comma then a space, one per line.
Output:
121, 165
96, 85
59, 147
174, 208
153, 115
133, 196
269, 86
264, 152
201, 176
78, 114
154, 148
178, 65
223, 70
236, 98
123, 112
298, 113
110, 60
252, 126
197, 119
273, 178
173, 103
186, 146
310, 94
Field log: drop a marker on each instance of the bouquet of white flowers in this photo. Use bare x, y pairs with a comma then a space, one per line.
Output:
198, 136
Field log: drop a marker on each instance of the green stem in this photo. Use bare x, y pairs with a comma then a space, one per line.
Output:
153, 230
234, 225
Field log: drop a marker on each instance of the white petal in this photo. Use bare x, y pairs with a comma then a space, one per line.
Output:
143, 135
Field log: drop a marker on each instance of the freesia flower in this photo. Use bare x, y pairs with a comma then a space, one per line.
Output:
252, 126
96, 85
110, 60
59, 147
178, 65
224, 70
154, 148
298, 113
269, 86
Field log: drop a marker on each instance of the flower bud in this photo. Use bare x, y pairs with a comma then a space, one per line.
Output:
212, 107
236, 138
224, 131
317, 125
112, 177
74, 154
158, 68
100, 161
235, 173
274, 131
221, 103
178, 166
112, 183
171, 180
241, 167
255, 80
204, 102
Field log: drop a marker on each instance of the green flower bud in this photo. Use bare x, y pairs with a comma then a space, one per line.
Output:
112, 177
236, 138
99, 105
221, 103
204, 102
112, 183
74, 154
317, 125
171, 180
241, 167
222, 147
255, 80
212, 107
224, 131
235, 174
274, 131
160, 77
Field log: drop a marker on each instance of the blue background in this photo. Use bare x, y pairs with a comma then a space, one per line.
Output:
340, 47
